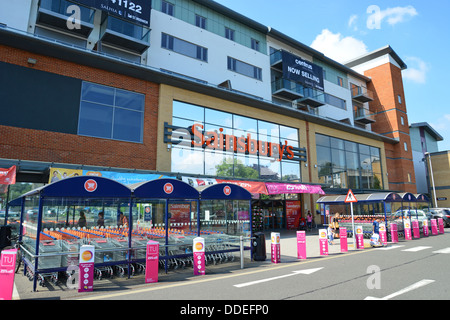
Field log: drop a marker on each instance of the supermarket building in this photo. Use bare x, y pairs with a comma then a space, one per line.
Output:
194, 90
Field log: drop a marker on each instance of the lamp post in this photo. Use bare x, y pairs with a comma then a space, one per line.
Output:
432, 179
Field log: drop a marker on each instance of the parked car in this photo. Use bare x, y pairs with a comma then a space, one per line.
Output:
414, 214
443, 213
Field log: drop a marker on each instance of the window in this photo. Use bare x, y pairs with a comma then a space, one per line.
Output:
229, 34
184, 47
167, 8
244, 68
335, 101
255, 44
340, 81
405, 146
200, 21
111, 113
399, 99
402, 120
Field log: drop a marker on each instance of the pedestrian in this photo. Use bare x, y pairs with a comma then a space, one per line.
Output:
82, 221
309, 220
376, 226
101, 219
330, 235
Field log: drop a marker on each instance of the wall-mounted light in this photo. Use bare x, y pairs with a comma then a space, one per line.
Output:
169, 146
32, 61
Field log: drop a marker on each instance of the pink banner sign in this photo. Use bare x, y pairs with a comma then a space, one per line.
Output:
343, 239
7, 269
434, 228
152, 262
284, 188
394, 232
441, 225
383, 234
425, 228
198, 249
359, 237
407, 229
416, 229
301, 244
275, 248
86, 276
323, 242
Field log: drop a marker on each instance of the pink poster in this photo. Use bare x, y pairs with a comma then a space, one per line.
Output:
434, 229
301, 244
359, 237
152, 262
407, 229
394, 232
199, 256
343, 239
416, 230
425, 228
441, 225
323, 242
382, 233
293, 214
7, 268
275, 248
86, 277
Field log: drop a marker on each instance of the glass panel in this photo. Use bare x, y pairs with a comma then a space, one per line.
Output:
188, 111
218, 118
246, 167
127, 125
245, 124
97, 93
337, 143
288, 133
218, 163
268, 129
269, 169
323, 156
322, 140
290, 170
187, 160
130, 100
95, 120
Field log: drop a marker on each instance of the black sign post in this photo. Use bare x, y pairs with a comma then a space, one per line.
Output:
136, 11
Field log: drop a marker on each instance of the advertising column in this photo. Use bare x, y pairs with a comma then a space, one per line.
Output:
199, 256
359, 237
275, 247
343, 239
7, 268
86, 280
301, 244
323, 242
383, 235
152, 261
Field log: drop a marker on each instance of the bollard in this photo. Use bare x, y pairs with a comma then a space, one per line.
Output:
198, 249
275, 247
323, 242
301, 245
359, 237
241, 247
441, 225
434, 229
86, 275
152, 261
394, 232
382, 233
425, 228
416, 230
407, 229
343, 239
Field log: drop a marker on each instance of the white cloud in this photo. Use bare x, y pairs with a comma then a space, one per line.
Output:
417, 70
391, 15
338, 47
442, 124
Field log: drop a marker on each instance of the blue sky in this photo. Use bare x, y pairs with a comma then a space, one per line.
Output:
418, 31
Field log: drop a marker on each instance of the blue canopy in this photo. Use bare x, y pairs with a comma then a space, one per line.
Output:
164, 189
225, 191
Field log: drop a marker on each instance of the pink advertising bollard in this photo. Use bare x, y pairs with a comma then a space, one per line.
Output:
86, 276
343, 239
394, 232
323, 242
198, 249
407, 228
152, 262
382, 233
7, 269
434, 228
301, 245
441, 225
425, 228
359, 237
275, 247
416, 229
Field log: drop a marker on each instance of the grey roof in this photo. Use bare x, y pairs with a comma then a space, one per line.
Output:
375, 54
428, 129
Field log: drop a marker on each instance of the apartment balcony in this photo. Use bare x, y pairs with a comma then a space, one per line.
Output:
123, 34
313, 98
364, 116
55, 14
361, 94
276, 60
287, 89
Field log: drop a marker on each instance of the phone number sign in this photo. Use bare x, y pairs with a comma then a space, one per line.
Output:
137, 11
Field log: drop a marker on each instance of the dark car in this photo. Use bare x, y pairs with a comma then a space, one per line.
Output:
443, 213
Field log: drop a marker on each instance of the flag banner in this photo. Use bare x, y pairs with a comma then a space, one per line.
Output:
8, 176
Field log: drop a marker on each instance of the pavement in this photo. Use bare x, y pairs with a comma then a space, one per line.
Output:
288, 249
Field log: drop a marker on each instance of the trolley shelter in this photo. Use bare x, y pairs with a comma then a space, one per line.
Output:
119, 220
389, 207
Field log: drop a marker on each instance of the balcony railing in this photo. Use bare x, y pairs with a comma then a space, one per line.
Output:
361, 94
312, 97
364, 115
287, 89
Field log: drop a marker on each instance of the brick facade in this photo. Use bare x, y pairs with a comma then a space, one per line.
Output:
39, 145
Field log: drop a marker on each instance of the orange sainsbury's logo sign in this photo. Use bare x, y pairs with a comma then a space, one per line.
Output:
196, 137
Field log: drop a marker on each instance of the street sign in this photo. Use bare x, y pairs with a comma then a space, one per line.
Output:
350, 197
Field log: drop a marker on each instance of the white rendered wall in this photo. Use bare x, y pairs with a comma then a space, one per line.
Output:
15, 13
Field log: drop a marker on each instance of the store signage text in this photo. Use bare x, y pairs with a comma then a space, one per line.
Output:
299, 70
196, 137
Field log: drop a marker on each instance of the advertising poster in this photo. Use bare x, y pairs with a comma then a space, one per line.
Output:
394, 232
301, 244
434, 228
293, 214
275, 247
7, 269
383, 235
180, 214
152, 262
86, 280
416, 230
343, 239
198, 249
359, 237
323, 242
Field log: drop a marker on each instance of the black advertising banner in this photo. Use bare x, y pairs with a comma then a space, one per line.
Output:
137, 11
299, 70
